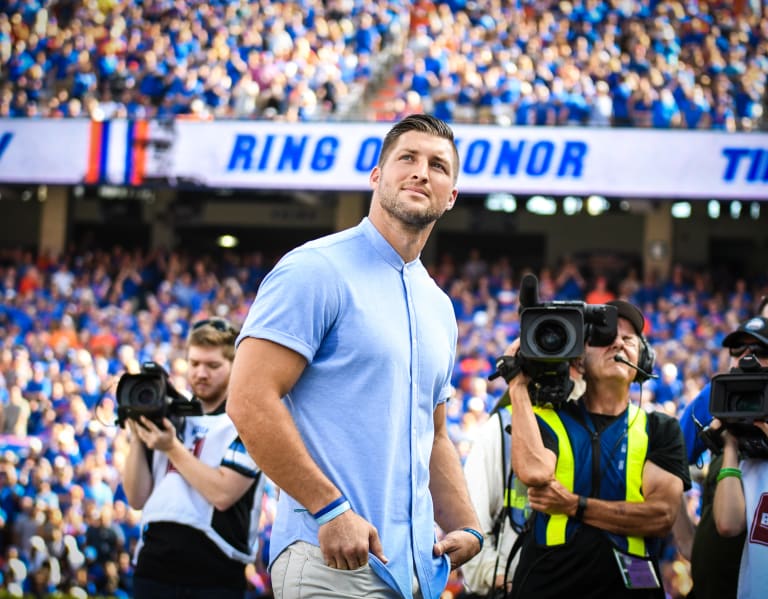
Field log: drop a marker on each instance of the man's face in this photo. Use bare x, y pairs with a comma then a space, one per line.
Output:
416, 182
600, 363
208, 373
749, 345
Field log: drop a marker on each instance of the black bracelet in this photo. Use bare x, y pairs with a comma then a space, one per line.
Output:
579, 516
475, 534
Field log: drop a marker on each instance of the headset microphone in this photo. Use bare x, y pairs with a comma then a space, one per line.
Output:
623, 360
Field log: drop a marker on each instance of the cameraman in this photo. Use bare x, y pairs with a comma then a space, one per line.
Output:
197, 487
741, 505
738, 509
696, 414
714, 558
605, 479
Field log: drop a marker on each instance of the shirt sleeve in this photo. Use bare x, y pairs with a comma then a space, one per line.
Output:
238, 459
698, 409
297, 302
666, 447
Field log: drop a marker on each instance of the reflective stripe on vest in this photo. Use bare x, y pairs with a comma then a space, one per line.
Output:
564, 471
637, 449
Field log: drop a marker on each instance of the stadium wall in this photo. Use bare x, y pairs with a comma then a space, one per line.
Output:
156, 182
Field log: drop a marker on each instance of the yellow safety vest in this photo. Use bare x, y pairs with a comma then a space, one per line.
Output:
565, 470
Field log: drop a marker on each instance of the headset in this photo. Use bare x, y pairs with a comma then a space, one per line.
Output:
646, 358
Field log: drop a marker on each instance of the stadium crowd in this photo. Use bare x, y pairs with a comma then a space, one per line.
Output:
697, 64
71, 325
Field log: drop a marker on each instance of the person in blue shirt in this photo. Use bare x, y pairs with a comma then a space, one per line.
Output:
339, 390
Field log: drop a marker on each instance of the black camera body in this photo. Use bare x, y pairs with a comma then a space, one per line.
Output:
739, 398
152, 395
558, 331
552, 334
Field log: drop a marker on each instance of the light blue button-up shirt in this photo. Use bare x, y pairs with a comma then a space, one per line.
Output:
380, 339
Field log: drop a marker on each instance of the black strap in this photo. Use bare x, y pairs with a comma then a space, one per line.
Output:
513, 552
497, 523
506, 481
504, 458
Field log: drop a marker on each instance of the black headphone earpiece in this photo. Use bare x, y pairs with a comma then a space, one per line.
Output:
646, 358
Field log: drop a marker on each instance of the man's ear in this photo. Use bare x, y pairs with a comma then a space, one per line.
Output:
373, 178
577, 365
454, 196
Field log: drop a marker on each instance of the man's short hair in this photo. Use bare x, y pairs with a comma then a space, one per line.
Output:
214, 332
423, 123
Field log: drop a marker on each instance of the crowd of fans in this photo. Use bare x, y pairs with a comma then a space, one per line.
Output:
643, 63
196, 59
653, 63
71, 325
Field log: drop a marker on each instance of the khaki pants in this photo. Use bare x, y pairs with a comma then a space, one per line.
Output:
300, 572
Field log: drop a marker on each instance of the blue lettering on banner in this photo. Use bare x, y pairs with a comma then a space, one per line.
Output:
368, 154
5, 141
541, 158
477, 156
263, 163
287, 153
573, 159
242, 153
325, 154
292, 153
752, 160
534, 159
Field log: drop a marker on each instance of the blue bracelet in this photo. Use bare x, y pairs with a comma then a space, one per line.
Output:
337, 511
335, 503
336, 508
475, 534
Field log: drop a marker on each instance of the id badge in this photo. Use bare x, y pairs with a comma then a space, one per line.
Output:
637, 572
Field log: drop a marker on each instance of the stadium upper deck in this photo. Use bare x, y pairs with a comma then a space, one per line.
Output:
643, 63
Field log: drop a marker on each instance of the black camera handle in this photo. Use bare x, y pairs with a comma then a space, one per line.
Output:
550, 385
506, 366
711, 437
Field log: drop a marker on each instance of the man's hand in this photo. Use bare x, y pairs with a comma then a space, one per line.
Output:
347, 540
459, 545
553, 498
763, 426
160, 439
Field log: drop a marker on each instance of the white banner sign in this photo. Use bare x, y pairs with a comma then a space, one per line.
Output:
339, 156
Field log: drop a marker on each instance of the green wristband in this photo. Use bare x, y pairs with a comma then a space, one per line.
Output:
727, 472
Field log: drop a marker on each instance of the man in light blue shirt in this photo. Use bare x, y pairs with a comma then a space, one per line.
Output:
339, 386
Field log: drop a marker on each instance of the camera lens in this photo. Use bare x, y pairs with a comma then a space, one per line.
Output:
746, 402
550, 336
145, 394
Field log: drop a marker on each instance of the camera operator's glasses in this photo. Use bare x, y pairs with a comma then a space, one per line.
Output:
758, 350
217, 323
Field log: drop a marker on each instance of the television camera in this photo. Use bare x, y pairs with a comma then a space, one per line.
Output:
739, 398
151, 394
551, 334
